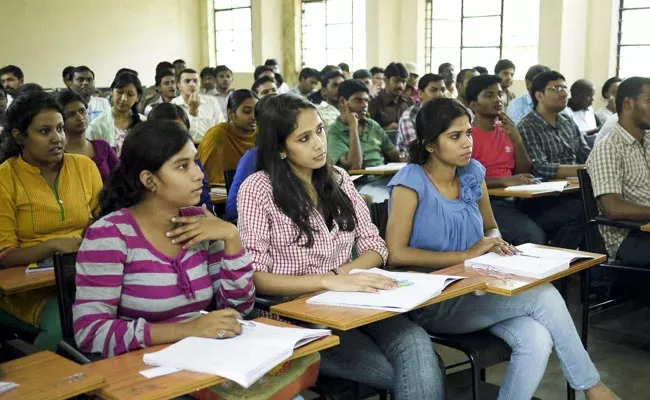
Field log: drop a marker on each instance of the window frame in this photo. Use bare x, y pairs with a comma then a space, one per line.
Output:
619, 36
216, 32
302, 34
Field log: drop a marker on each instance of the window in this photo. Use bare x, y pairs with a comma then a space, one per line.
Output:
633, 38
233, 34
468, 33
333, 31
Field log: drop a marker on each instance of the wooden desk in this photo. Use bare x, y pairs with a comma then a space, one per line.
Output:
218, 198
573, 187
123, 380
645, 228
372, 172
16, 280
346, 318
47, 376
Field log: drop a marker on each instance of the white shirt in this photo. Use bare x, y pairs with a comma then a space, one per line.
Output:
585, 119
96, 106
606, 129
603, 113
284, 88
208, 116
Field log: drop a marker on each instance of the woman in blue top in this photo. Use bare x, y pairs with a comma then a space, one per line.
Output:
440, 216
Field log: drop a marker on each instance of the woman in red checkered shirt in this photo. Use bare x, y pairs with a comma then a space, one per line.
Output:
299, 218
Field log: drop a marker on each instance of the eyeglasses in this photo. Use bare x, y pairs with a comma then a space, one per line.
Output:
558, 88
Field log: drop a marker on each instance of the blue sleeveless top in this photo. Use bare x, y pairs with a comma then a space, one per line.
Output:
440, 224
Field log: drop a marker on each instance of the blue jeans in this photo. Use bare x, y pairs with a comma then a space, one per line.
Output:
532, 323
394, 354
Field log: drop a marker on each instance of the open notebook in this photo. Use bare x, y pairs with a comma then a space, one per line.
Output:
40, 266
421, 287
243, 359
556, 186
533, 262
393, 166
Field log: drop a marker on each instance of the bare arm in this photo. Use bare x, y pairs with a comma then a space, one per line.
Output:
614, 207
393, 155
353, 159
25, 256
566, 171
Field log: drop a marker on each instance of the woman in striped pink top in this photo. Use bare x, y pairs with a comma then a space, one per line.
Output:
149, 262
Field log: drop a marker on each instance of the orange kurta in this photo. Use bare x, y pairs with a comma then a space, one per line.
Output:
221, 148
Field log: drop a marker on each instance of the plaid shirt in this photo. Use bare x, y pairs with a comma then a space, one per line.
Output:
551, 146
620, 165
406, 128
268, 234
328, 114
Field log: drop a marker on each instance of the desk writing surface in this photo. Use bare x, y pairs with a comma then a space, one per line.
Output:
572, 187
124, 381
218, 198
645, 228
16, 280
372, 172
47, 376
346, 318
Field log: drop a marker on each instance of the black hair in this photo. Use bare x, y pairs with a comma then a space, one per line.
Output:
278, 78
221, 68
460, 77
503, 64
164, 65
271, 61
329, 76
608, 84
237, 97
581, 86
478, 84
161, 74
186, 71
276, 120
344, 67
19, 116
351, 86
442, 67
178, 61
67, 72
629, 88
329, 68
120, 81
147, 147
83, 68
361, 74
207, 71
66, 97
534, 71
12, 69
481, 70
168, 112
126, 71
29, 88
434, 118
260, 81
396, 69
541, 80
376, 70
260, 70
307, 72
427, 79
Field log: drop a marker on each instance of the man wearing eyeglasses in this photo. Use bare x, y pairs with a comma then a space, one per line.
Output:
556, 149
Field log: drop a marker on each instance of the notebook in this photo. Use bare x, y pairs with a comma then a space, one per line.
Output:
40, 266
243, 359
394, 166
533, 262
556, 186
419, 288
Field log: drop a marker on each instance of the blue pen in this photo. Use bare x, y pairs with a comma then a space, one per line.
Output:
538, 179
403, 283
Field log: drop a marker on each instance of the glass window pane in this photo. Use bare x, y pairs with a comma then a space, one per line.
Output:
634, 61
313, 13
223, 20
481, 7
439, 56
634, 27
241, 3
520, 25
224, 40
314, 58
445, 34
339, 11
485, 57
447, 9
242, 40
313, 37
339, 36
484, 31
522, 57
222, 4
241, 18
636, 3
335, 56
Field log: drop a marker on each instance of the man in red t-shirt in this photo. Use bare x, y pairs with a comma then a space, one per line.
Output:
499, 147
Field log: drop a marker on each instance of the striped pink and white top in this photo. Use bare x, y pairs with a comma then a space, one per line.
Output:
124, 285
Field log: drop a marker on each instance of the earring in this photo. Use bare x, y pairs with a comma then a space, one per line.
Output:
282, 156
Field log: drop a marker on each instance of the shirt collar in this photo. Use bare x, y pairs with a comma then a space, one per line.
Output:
627, 138
23, 165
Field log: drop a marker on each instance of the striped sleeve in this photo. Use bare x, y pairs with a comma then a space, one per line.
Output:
100, 271
232, 278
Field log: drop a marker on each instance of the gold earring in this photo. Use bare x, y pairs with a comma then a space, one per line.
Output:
282, 156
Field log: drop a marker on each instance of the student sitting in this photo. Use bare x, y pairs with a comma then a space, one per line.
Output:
608, 92
83, 83
411, 89
620, 172
114, 124
389, 105
378, 80
579, 107
299, 218
165, 90
246, 166
522, 105
46, 201
462, 79
505, 69
11, 78
224, 80
144, 270
208, 81
75, 118
264, 86
443, 184
366, 78
223, 145
447, 71
557, 149
308, 79
172, 112
498, 146
355, 142
328, 108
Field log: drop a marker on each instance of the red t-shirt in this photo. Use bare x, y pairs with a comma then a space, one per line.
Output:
495, 150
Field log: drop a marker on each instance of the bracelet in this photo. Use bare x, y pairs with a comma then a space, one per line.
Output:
334, 271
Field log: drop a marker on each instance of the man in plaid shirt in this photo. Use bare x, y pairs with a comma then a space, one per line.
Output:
431, 86
620, 173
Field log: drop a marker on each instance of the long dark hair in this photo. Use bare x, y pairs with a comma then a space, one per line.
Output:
19, 116
237, 97
277, 118
123, 78
147, 147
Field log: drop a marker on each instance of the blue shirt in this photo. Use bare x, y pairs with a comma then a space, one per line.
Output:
519, 107
205, 193
440, 224
245, 167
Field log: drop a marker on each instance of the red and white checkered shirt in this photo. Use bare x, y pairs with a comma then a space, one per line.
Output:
268, 234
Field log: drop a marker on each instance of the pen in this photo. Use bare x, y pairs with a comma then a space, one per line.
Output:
249, 324
526, 255
538, 179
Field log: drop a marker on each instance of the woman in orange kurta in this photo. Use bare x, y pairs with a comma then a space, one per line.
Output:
224, 144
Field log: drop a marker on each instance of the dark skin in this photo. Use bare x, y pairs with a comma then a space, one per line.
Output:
582, 97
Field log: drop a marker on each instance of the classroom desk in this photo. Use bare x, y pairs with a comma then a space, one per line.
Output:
645, 228
346, 318
16, 280
218, 198
123, 380
573, 187
372, 172
47, 376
